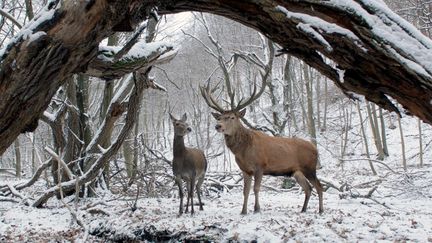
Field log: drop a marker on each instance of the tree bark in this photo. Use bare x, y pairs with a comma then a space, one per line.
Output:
32, 69
17, 159
375, 131
404, 161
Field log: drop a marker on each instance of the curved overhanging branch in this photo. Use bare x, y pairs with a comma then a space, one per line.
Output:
379, 54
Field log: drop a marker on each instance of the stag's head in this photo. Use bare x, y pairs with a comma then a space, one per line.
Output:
229, 121
181, 127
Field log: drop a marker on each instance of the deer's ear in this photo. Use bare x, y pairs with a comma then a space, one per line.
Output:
216, 115
184, 117
242, 113
172, 117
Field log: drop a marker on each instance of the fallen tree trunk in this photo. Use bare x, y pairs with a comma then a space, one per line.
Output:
361, 45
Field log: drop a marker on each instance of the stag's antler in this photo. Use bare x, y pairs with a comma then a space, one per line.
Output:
265, 69
206, 93
244, 103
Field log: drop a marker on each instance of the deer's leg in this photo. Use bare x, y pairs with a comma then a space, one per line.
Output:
191, 191
257, 185
179, 184
317, 184
198, 190
302, 181
188, 196
246, 190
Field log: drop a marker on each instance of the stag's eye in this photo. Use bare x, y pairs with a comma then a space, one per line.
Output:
232, 118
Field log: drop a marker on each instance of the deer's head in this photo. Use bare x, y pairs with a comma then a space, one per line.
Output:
181, 127
229, 121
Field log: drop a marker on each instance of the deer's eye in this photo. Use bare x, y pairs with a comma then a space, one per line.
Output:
232, 118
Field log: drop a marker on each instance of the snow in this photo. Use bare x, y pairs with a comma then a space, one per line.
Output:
408, 45
321, 25
398, 210
280, 220
138, 51
308, 29
51, 117
395, 31
28, 31
34, 36
341, 74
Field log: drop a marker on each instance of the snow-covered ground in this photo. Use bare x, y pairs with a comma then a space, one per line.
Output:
398, 210
392, 206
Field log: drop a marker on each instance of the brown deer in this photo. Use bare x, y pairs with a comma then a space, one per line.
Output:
189, 164
258, 154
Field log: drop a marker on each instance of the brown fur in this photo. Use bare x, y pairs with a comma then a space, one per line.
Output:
259, 154
189, 164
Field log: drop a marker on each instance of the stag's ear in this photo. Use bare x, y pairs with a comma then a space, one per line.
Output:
172, 117
184, 117
216, 115
242, 113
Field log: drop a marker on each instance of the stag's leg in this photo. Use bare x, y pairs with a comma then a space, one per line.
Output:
246, 190
198, 190
257, 185
317, 184
179, 184
302, 181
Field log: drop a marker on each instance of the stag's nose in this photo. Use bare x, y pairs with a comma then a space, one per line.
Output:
189, 129
217, 127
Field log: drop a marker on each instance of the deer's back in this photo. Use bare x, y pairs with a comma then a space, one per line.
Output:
278, 155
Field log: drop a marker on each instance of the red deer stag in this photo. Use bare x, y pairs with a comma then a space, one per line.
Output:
189, 164
258, 154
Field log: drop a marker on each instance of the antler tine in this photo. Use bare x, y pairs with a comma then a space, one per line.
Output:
208, 98
244, 103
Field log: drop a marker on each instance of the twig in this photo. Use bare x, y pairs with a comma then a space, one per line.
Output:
9, 199
72, 212
361, 185
17, 194
60, 161
10, 17
373, 160
329, 184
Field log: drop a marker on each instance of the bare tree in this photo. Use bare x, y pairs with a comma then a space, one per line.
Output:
365, 141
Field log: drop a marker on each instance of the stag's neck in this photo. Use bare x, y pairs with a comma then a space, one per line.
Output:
239, 140
179, 146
